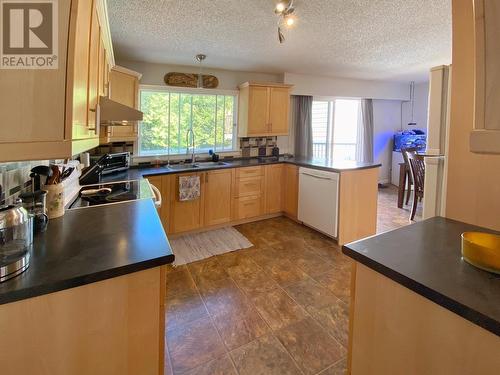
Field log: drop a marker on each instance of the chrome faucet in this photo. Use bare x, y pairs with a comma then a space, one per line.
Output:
192, 144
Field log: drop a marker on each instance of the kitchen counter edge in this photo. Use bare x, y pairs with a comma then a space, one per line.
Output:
467, 311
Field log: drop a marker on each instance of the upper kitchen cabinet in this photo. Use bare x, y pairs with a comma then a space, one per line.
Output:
53, 113
485, 138
263, 109
123, 89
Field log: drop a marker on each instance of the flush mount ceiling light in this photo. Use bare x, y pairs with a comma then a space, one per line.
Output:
200, 57
284, 10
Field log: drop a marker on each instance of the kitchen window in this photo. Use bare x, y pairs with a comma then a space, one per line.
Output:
168, 115
335, 128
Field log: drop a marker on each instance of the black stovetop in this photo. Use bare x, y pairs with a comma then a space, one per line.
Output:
120, 192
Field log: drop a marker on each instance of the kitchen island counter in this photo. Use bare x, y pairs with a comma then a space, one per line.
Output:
416, 304
93, 298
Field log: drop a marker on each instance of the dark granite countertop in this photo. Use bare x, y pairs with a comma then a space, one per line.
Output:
426, 258
92, 244
135, 173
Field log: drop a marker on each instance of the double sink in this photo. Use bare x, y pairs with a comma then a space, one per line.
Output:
206, 164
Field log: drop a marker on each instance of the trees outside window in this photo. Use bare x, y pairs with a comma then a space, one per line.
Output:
168, 115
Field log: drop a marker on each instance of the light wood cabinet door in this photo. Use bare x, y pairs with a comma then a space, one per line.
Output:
248, 186
248, 207
263, 109
124, 89
93, 85
258, 111
157, 182
217, 196
102, 67
291, 190
81, 69
279, 103
32, 102
274, 175
185, 215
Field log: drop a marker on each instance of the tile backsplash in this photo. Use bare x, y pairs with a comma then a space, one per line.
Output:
257, 146
15, 178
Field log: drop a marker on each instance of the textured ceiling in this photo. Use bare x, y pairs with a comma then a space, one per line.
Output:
370, 39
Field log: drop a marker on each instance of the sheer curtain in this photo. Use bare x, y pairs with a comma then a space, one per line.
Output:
302, 123
364, 149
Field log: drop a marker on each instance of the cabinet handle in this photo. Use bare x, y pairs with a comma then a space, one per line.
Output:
206, 177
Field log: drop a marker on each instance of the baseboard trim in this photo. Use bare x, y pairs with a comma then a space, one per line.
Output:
228, 224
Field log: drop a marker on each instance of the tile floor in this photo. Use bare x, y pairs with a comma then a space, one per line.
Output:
280, 307
389, 215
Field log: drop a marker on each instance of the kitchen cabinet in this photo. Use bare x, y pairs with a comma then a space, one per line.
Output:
163, 184
124, 89
217, 196
114, 327
485, 138
92, 129
291, 190
248, 207
274, 175
50, 113
156, 181
185, 215
263, 109
248, 192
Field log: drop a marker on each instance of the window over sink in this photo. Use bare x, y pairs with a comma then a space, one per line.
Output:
170, 113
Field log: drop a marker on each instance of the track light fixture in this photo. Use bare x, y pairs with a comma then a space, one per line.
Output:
284, 10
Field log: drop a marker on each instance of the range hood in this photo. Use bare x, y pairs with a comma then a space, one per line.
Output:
114, 113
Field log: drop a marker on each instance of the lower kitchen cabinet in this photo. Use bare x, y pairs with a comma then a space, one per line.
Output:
185, 215
247, 207
156, 181
235, 195
248, 193
273, 175
217, 192
291, 190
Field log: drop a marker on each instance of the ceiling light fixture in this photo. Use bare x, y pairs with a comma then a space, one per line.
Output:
284, 10
200, 57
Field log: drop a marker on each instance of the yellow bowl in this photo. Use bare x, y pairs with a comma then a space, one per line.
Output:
482, 250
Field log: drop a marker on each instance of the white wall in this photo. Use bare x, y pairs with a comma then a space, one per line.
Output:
420, 109
152, 74
386, 121
346, 87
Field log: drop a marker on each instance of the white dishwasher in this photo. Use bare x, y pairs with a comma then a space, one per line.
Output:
318, 200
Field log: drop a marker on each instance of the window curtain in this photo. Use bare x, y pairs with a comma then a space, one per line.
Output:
364, 149
302, 123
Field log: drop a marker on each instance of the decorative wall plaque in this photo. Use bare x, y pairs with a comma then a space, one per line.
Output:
190, 80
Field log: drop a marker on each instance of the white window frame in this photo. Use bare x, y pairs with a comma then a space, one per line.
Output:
198, 91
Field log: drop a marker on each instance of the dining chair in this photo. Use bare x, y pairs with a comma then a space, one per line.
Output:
408, 178
417, 170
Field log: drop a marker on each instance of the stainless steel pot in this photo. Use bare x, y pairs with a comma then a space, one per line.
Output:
16, 240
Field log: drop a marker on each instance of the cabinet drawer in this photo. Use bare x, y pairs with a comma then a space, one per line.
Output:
248, 172
247, 207
248, 186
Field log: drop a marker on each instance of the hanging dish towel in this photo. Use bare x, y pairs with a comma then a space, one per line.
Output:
189, 188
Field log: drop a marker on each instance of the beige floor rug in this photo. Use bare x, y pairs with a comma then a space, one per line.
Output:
192, 247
